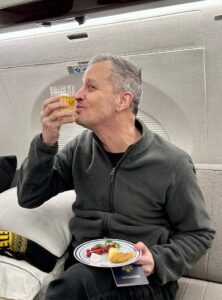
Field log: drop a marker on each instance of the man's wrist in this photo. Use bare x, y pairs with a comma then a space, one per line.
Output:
48, 144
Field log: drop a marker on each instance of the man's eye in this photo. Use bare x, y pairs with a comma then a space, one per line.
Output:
91, 87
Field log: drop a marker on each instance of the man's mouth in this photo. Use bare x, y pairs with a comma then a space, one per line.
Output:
79, 106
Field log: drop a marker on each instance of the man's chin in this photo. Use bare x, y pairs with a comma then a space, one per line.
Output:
80, 122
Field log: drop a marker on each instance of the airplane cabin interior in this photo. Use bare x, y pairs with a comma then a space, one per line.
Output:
178, 46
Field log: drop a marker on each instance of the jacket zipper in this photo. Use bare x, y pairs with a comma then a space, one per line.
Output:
111, 188
112, 179
110, 197
110, 202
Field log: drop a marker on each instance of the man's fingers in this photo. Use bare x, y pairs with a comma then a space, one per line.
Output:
54, 107
61, 116
146, 259
141, 246
67, 120
53, 115
50, 101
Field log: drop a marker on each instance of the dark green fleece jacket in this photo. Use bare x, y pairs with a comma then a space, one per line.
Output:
152, 195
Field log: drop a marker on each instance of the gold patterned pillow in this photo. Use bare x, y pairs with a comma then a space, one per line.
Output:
19, 247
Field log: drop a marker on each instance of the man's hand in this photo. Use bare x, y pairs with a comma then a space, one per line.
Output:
146, 259
52, 119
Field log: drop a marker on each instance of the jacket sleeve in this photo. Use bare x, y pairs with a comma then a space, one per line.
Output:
43, 174
192, 232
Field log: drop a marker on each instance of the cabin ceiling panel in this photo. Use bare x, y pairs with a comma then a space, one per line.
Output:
166, 33
153, 34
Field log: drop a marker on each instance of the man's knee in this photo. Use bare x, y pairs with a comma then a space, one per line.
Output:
72, 282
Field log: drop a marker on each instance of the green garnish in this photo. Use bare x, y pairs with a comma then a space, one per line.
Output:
111, 242
108, 241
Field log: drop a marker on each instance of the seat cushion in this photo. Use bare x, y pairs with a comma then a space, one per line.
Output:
20, 280
194, 289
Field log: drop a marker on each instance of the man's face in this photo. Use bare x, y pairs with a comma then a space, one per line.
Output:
96, 101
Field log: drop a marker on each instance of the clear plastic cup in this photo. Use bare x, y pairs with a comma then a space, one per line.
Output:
66, 94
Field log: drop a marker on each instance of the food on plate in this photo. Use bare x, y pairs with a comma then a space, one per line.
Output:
102, 248
95, 258
112, 251
121, 257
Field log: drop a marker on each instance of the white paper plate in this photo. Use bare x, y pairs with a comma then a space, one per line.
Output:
80, 254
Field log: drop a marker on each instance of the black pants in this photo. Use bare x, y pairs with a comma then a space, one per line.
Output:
81, 282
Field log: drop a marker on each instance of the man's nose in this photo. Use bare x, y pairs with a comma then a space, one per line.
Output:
79, 94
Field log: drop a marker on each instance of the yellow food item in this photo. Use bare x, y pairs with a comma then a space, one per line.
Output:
112, 251
120, 257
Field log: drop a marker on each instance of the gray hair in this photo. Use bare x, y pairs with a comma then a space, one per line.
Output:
125, 76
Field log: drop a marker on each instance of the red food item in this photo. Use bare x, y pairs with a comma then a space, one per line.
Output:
101, 248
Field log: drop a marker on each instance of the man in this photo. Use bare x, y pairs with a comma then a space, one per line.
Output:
130, 184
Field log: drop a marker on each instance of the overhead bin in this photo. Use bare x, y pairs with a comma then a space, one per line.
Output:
152, 34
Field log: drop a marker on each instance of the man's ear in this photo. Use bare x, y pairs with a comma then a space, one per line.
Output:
125, 99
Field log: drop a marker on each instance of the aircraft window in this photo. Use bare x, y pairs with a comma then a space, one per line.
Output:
153, 124
69, 131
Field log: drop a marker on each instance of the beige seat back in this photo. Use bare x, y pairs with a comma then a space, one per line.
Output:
210, 266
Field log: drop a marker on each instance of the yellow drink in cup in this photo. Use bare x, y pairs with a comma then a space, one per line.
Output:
66, 94
70, 100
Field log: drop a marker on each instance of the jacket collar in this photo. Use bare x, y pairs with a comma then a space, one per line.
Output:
143, 143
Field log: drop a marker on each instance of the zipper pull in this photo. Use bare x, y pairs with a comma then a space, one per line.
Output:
112, 173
